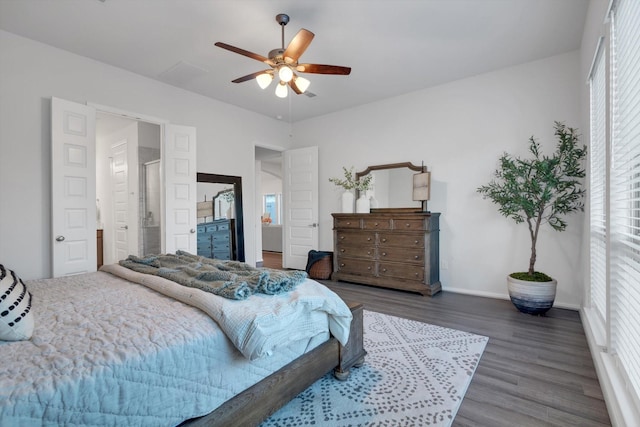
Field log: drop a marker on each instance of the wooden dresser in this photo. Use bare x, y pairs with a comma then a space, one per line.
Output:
216, 239
391, 250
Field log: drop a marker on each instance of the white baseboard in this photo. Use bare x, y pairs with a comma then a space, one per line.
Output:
502, 296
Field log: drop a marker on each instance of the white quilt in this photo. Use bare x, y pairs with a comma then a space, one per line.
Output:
261, 323
106, 351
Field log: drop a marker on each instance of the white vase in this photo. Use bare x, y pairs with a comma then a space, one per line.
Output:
347, 202
362, 204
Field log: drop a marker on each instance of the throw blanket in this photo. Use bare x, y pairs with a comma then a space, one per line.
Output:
261, 325
229, 279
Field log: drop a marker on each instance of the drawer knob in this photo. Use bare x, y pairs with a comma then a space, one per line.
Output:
384, 254
348, 222
416, 242
384, 270
368, 252
368, 239
407, 225
342, 250
369, 268
416, 274
341, 237
376, 224
416, 257
384, 240
342, 265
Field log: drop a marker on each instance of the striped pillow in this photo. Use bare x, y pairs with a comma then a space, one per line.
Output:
16, 319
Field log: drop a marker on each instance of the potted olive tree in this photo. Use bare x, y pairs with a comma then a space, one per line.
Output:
535, 191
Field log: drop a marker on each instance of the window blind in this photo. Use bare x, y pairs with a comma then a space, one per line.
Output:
625, 191
598, 180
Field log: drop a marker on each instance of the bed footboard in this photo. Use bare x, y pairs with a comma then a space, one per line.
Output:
256, 403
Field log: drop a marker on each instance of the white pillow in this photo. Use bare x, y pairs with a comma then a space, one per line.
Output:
16, 318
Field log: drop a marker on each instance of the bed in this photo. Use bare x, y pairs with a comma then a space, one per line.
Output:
111, 349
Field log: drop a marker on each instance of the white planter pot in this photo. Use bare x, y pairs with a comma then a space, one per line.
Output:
362, 204
347, 202
532, 297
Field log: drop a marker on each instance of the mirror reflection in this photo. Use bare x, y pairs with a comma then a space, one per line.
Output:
219, 212
392, 185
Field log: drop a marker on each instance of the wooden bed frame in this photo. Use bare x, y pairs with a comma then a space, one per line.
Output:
259, 401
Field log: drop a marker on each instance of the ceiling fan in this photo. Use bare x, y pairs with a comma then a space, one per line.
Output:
284, 63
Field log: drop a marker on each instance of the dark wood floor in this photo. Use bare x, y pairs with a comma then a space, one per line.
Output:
272, 259
535, 371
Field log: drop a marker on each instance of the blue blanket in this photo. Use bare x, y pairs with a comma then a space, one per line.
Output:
229, 279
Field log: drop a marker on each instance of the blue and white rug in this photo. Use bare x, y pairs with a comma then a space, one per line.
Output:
415, 374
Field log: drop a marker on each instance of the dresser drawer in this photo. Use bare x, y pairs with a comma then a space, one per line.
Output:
355, 239
355, 266
401, 254
346, 223
210, 228
376, 224
356, 251
409, 224
401, 271
223, 227
404, 240
220, 238
223, 255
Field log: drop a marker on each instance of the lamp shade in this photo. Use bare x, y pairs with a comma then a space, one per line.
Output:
422, 186
285, 73
302, 84
264, 80
281, 90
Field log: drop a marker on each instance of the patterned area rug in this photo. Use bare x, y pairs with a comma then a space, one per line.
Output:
415, 374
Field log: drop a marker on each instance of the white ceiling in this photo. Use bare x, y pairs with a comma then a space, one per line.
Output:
393, 46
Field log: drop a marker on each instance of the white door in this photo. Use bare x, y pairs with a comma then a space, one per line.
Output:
120, 186
73, 188
300, 189
179, 164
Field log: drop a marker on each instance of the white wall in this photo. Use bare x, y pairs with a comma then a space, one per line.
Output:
31, 73
459, 130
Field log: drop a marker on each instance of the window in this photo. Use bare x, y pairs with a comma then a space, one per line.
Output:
272, 208
615, 198
598, 179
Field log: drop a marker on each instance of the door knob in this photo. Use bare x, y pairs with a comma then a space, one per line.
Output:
59, 238
125, 227
193, 230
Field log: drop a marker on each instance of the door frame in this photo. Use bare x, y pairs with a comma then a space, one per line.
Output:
107, 109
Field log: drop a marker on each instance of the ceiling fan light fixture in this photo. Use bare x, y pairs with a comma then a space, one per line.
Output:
281, 90
264, 80
285, 73
302, 84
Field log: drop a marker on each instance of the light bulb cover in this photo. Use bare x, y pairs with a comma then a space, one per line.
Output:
302, 84
281, 90
285, 73
264, 80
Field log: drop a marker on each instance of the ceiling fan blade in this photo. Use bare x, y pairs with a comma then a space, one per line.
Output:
250, 76
298, 45
245, 53
324, 69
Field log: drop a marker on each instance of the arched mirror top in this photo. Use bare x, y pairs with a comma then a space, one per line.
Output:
391, 185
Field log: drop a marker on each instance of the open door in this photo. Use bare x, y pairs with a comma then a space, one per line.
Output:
73, 188
179, 160
300, 190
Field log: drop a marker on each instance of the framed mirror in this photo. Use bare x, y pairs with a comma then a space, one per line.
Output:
392, 186
220, 197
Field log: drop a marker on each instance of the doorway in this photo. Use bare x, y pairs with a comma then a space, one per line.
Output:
128, 186
269, 206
